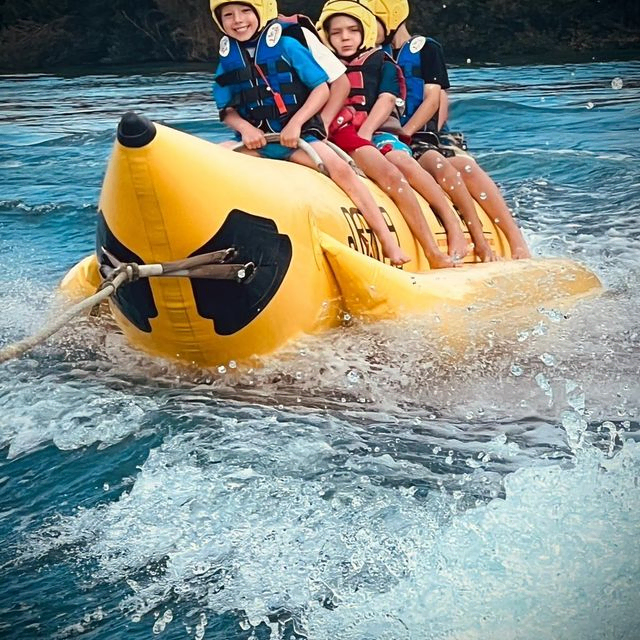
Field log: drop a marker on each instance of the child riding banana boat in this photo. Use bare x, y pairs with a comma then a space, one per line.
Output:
245, 252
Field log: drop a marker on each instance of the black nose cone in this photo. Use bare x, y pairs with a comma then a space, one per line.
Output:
135, 131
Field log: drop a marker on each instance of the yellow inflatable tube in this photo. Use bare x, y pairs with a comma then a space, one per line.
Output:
168, 196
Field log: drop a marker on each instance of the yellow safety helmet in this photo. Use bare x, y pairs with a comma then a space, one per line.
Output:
392, 13
358, 10
266, 9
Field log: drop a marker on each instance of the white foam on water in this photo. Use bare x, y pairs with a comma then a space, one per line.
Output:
556, 559
257, 512
68, 416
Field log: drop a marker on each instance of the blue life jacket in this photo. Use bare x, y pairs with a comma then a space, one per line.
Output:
409, 60
266, 89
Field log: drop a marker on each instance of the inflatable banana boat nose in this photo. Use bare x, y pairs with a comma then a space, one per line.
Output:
168, 196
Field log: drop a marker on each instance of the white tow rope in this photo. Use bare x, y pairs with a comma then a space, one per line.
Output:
211, 266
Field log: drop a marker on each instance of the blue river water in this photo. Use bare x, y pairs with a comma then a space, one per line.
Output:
361, 485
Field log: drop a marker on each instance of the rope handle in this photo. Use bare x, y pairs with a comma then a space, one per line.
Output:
302, 144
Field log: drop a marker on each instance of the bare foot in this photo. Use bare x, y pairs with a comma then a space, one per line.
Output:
458, 246
519, 252
485, 253
440, 260
395, 254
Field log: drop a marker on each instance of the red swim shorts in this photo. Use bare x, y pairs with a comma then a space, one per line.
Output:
348, 140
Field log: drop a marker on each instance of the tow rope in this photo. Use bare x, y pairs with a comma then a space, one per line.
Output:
213, 266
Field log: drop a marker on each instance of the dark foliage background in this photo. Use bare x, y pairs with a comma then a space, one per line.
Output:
44, 35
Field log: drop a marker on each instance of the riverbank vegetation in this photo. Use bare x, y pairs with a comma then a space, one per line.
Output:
38, 35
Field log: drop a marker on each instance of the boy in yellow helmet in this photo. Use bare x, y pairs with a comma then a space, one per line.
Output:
422, 62
373, 98
269, 82
349, 29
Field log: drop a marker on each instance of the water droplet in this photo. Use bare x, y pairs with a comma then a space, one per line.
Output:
552, 314
436, 449
468, 168
544, 384
575, 396
590, 105
617, 83
483, 196
548, 359
222, 369
105, 486
439, 165
540, 329
200, 568
574, 425
516, 370
354, 376
468, 60
232, 364
159, 626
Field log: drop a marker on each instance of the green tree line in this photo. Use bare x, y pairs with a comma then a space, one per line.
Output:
44, 35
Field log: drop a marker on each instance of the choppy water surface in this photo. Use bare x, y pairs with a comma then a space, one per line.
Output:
363, 485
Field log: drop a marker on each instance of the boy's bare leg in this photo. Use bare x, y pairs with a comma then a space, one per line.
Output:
344, 176
391, 180
424, 183
484, 189
451, 182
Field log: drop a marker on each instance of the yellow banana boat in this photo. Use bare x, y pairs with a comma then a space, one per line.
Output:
296, 253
